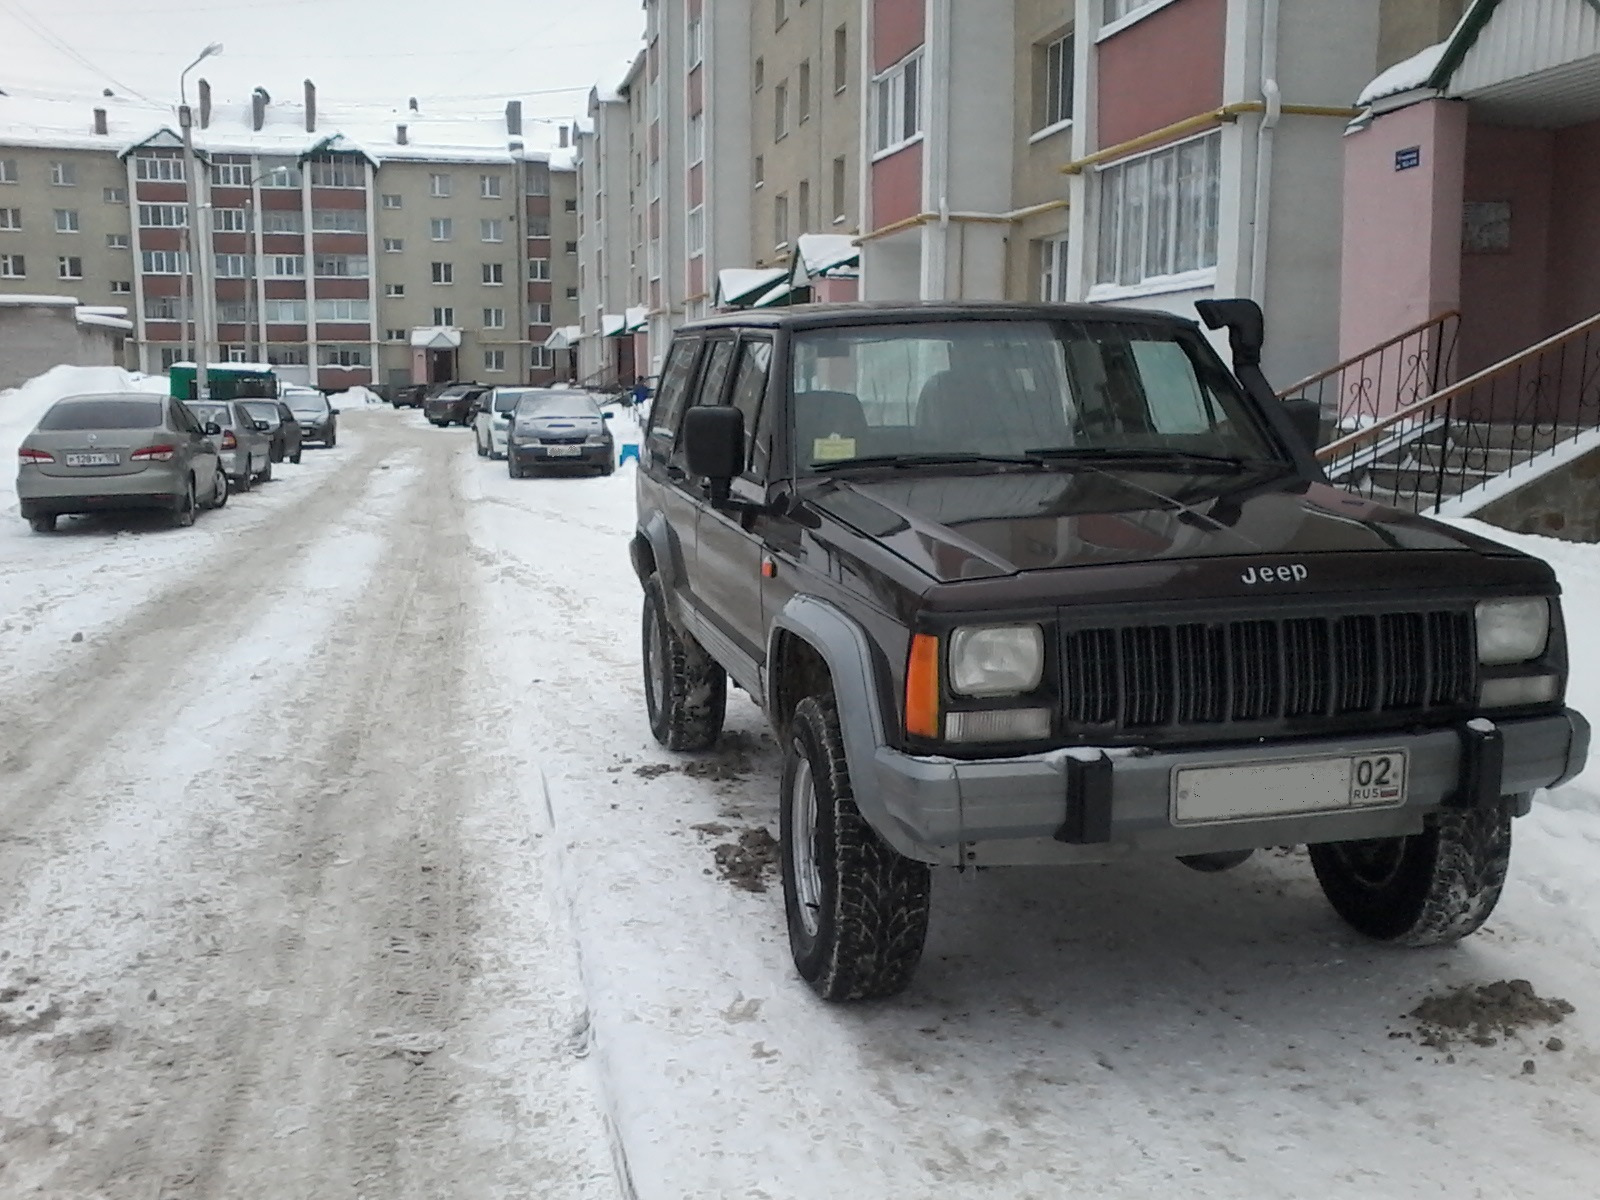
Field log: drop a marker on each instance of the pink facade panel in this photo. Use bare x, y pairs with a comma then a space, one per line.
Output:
694, 276
897, 187
1402, 227
696, 91
695, 188
1503, 290
1161, 70
1574, 232
897, 30
835, 291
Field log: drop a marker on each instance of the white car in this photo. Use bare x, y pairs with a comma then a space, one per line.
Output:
492, 424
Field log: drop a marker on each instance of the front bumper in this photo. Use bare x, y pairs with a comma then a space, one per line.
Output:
532, 453
1098, 806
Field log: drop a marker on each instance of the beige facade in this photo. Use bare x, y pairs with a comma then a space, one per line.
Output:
1407, 26
805, 125
1036, 252
84, 219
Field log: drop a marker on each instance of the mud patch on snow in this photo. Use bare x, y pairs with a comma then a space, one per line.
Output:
23, 1012
733, 760
747, 861
1484, 1013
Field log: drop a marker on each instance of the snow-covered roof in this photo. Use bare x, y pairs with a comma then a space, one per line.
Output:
23, 300
436, 337
442, 135
820, 254
612, 324
739, 283
1405, 76
249, 367
104, 310
635, 318
100, 320
564, 338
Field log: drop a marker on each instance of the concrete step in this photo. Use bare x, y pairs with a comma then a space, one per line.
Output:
1510, 436
1415, 478
1489, 459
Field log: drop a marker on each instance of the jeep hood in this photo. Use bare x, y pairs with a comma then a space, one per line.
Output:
991, 526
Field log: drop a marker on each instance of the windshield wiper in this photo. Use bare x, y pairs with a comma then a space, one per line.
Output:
930, 460
1154, 456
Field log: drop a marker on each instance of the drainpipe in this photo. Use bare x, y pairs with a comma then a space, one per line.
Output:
1266, 137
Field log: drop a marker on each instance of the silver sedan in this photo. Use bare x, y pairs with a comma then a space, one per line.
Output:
246, 451
116, 451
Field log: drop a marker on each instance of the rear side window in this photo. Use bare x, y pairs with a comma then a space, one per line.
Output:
671, 396
104, 414
212, 414
749, 389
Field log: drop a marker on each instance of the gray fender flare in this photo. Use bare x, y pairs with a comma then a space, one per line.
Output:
848, 652
668, 555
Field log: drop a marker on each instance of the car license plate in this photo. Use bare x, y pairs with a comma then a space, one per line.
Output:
1202, 795
92, 460
563, 451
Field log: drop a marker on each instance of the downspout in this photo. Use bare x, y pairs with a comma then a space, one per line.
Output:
936, 140
1266, 138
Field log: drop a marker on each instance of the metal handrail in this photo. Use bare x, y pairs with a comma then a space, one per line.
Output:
1311, 381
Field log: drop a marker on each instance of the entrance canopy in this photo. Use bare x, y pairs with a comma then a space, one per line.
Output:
436, 337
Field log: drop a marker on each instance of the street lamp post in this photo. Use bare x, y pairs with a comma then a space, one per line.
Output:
199, 241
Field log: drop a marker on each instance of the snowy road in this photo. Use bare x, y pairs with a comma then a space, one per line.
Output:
336, 861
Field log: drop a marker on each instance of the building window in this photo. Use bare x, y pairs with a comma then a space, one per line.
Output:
338, 173
1158, 213
394, 245
840, 200
231, 174
897, 105
231, 266
164, 262
841, 58
538, 179
780, 111
538, 227
69, 266
231, 312
8, 170
572, 247
441, 229
539, 314
230, 220
236, 354
489, 187
391, 200
394, 291
1052, 83
344, 310
692, 42
541, 359
572, 293
170, 355
344, 356
121, 287
284, 312
697, 229
342, 266
444, 315
780, 220
1053, 270
494, 360
163, 216
10, 218
163, 308
287, 356
697, 139
1115, 10
65, 174
152, 168
492, 230
780, 13
538, 268
571, 206
116, 195
760, 170
494, 274
282, 176
759, 74
339, 220
287, 220
394, 335
804, 99
118, 241
439, 185
494, 318
66, 220
444, 272
13, 266
284, 266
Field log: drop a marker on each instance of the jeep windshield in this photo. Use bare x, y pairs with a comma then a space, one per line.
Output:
1019, 393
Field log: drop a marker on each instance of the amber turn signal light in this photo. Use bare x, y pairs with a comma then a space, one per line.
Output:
922, 687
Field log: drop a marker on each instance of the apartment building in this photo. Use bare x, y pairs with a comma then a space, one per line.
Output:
355, 245
606, 253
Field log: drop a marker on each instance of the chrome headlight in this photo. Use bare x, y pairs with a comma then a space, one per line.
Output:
1512, 631
996, 660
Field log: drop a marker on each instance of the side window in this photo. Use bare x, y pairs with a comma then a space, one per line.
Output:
749, 390
717, 366
181, 419
671, 397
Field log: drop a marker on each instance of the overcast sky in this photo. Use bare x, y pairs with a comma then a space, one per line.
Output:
464, 54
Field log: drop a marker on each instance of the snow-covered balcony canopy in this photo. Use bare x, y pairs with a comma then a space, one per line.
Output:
436, 337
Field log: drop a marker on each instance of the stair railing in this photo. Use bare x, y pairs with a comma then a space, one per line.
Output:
1396, 373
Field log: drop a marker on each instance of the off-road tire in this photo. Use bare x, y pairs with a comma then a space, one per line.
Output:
183, 515
1212, 864
872, 919
688, 701
43, 523
1429, 889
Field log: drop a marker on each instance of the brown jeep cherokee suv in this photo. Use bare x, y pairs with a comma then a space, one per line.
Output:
1039, 584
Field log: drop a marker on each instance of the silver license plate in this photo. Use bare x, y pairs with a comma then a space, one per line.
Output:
92, 460
563, 451
1207, 795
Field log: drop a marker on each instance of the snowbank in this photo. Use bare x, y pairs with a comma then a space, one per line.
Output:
21, 408
355, 396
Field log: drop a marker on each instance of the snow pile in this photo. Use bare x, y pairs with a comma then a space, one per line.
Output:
21, 407
1405, 76
354, 396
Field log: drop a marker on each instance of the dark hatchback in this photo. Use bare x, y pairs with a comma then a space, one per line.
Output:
454, 405
281, 424
318, 419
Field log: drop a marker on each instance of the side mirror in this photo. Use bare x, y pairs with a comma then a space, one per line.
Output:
713, 444
262, 426
213, 429
1306, 417
605, 416
334, 411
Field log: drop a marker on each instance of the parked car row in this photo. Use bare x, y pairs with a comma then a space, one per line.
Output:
124, 451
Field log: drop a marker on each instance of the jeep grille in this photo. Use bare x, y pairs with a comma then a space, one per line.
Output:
1264, 670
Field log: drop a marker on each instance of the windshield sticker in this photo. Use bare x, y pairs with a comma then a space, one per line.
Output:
833, 448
